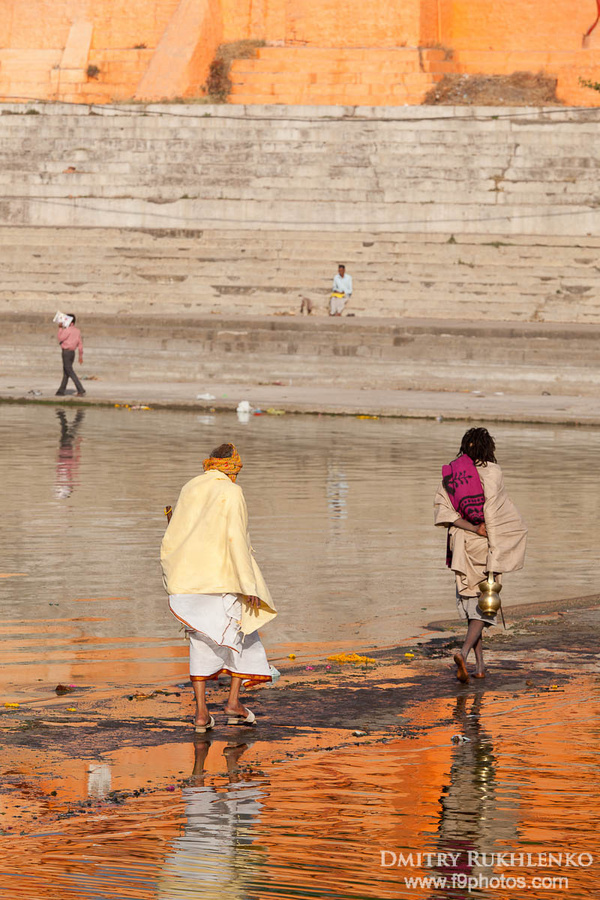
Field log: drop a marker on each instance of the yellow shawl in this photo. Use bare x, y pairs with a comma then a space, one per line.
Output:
206, 548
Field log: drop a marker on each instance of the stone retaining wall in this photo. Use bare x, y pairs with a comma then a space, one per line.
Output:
188, 210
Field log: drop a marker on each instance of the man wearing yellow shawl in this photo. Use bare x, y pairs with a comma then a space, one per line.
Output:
215, 586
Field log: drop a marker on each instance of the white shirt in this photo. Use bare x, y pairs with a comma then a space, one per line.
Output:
343, 285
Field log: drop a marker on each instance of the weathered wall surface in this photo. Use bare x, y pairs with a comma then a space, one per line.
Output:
153, 48
509, 25
329, 52
189, 210
360, 353
431, 170
349, 49
181, 61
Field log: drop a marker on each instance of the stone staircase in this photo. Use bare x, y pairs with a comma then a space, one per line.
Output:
361, 353
330, 75
189, 274
191, 210
370, 169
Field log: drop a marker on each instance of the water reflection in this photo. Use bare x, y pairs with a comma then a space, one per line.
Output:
340, 518
214, 858
313, 826
69, 453
337, 492
474, 819
99, 780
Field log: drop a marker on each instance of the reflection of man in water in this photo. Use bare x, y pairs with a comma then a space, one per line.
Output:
215, 858
337, 491
473, 818
68, 453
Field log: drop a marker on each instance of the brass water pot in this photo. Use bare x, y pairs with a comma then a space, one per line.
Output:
489, 601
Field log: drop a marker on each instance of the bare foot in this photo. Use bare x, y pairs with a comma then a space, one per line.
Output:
237, 710
202, 718
462, 673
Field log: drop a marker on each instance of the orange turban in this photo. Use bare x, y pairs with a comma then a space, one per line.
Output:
230, 466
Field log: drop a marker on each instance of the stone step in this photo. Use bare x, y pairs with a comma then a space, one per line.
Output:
416, 354
484, 279
326, 75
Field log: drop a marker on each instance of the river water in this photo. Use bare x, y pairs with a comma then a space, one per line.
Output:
340, 517
517, 800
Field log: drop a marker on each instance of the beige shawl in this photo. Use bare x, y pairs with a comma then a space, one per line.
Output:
473, 555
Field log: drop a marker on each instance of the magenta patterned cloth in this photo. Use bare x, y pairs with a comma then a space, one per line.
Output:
463, 485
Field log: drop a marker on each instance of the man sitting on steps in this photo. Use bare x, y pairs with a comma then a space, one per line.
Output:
341, 292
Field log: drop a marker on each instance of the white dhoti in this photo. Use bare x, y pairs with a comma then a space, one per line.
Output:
217, 643
337, 302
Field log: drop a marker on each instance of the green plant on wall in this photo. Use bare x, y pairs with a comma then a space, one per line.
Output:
593, 85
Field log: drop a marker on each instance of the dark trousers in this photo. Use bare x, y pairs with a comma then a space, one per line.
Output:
68, 358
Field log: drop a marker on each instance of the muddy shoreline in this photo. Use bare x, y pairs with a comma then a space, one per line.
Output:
310, 710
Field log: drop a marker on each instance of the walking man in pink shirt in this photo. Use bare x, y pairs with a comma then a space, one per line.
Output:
70, 341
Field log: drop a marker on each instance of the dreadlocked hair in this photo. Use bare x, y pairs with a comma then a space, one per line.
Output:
223, 451
479, 445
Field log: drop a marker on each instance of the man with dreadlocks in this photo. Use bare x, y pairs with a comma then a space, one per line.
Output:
485, 534
215, 586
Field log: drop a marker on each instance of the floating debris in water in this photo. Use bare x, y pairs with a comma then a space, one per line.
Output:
128, 406
291, 656
11, 705
460, 739
360, 733
275, 674
64, 689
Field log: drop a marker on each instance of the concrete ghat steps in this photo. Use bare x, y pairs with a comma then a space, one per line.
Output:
412, 354
163, 272
184, 210
373, 169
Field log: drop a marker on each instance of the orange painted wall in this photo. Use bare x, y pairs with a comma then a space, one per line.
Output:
515, 24
183, 56
125, 40
486, 36
352, 23
44, 24
461, 24
331, 23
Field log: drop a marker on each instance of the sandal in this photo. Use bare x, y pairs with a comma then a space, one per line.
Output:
250, 719
202, 729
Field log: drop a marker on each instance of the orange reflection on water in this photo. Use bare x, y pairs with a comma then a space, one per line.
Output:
521, 778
